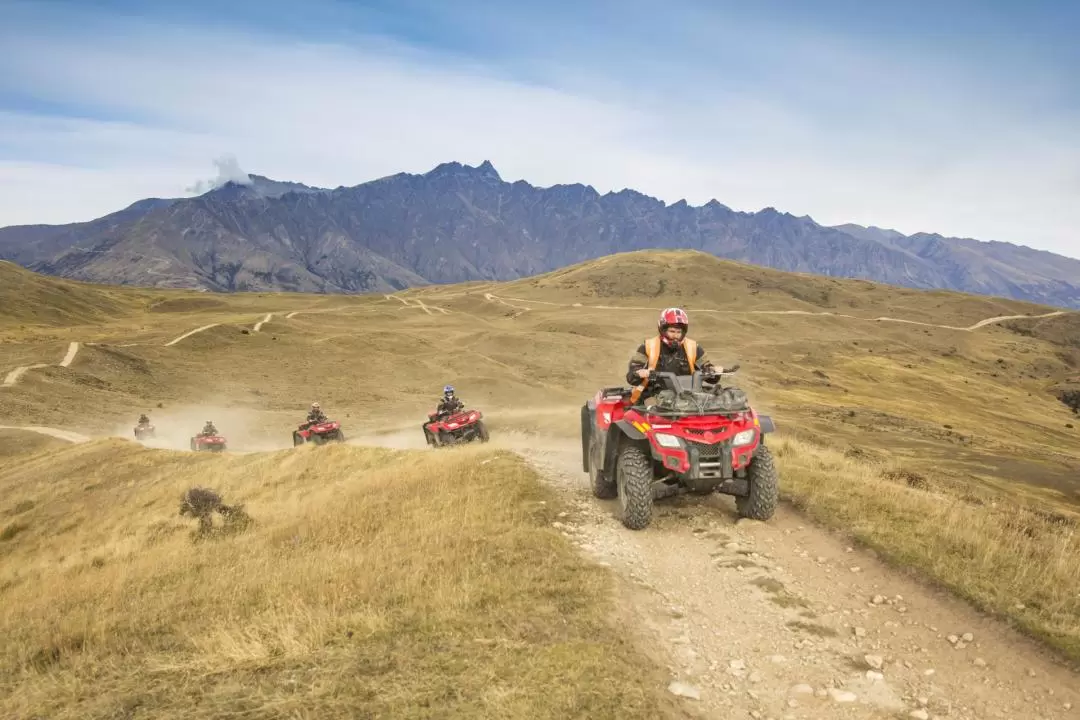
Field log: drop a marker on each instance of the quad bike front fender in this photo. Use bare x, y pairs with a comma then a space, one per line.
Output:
767, 424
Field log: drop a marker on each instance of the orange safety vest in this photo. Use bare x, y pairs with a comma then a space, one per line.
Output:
652, 351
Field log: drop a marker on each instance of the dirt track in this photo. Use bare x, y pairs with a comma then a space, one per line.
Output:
491, 297
779, 620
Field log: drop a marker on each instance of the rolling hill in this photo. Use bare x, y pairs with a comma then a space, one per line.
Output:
459, 223
922, 428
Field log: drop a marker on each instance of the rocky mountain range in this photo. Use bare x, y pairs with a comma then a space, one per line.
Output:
458, 223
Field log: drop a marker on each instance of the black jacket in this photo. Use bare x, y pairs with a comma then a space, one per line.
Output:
447, 407
672, 359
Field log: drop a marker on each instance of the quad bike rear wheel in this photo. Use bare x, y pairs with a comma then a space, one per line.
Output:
634, 478
760, 502
297, 439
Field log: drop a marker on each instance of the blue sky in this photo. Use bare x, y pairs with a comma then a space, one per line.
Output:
954, 117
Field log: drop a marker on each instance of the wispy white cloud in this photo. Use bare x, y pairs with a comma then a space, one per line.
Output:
915, 144
228, 171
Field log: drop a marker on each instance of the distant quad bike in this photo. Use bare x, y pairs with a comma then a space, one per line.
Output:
144, 432
462, 427
208, 443
697, 438
318, 433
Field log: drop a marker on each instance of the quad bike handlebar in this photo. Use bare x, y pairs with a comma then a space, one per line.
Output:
698, 380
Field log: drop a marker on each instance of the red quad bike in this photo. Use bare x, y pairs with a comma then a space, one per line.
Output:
318, 433
143, 432
697, 438
461, 427
208, 443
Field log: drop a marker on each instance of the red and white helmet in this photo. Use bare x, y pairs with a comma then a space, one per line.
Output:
673, 316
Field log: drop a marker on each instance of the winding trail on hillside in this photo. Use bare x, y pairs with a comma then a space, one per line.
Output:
258, 325
190, 333
13, 377
416, 302
504, 300
779, 619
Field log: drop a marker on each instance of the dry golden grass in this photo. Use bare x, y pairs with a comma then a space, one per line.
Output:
18, 443
971, 413
1018, 562
373, 583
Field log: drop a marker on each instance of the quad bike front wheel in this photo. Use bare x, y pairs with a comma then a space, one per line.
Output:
760, 502
634, 476
297, 439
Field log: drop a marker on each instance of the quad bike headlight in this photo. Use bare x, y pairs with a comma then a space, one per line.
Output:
668, 441
744, 438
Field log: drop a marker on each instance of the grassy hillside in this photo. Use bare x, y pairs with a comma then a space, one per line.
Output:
923, 439
402, 584
31, 299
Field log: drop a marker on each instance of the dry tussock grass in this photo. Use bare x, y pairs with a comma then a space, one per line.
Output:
1000, 556
373, 583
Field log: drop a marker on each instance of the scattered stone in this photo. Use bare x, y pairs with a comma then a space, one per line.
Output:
684, 690
756, 715
860, 631
802, 689
979, 662
874, 661
928, 672
919, 715
874, 676
856, 569
923, 701
967, 637
842, 696
737, 665
953, 639
878, 599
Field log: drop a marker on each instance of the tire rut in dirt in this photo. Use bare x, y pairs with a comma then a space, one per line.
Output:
760, 504
635, 486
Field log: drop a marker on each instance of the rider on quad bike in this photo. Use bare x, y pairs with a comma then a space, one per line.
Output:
449, 404
143, 420
315, 415
676, 430
670, 351
208, 429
